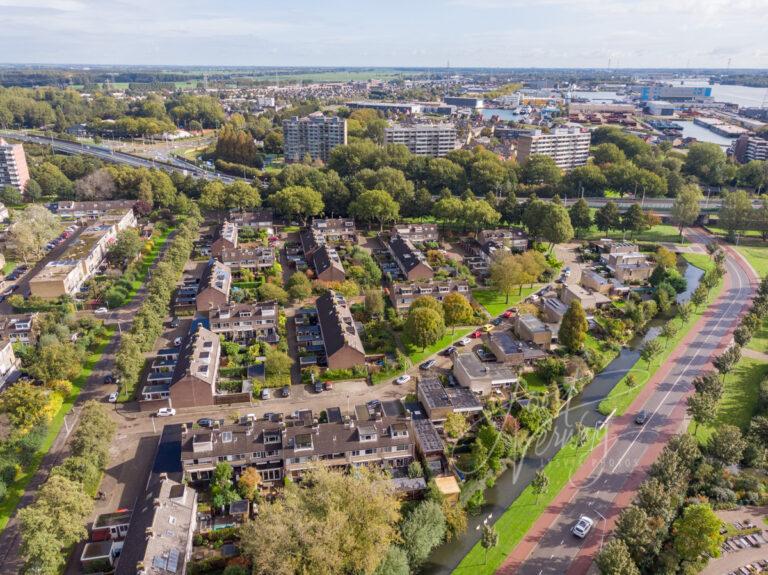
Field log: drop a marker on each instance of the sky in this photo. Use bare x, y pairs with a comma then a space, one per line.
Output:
419, 33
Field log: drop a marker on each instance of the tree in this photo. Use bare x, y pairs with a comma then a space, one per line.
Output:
278, 363
608, 218
608, 153
650, 350
707, 162
581, 217
654, 498
725, 362
427, 301
702, 408
297, 202
423, 327
735, 213
634, 220
31, 230
726, 445
241, 196
374, 302
636, 530
56, 361
697, 533
422, 530
489, 540
699, 296
506, 273
585, 181
540, 484
27, 405
395, 562
125, 249
457, 310
272, 292
222, 492
614, 558
335, 522
742, 335
665, 258
455, 425
249, 482
668, 331
686, 207
557, 225
11, 196
53, 523
375, 205
52, 181
684, 311
98, 185
573, 328
299, 286
540, 169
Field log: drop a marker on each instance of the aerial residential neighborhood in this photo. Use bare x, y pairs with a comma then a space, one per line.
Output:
286, 296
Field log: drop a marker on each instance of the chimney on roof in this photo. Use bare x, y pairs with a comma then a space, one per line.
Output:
148, 533
163, 476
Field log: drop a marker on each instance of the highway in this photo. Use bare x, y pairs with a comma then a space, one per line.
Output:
109, 155
617, 470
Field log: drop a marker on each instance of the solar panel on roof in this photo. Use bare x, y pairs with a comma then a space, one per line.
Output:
159, 562
173, 560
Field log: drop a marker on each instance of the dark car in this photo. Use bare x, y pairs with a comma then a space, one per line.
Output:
318, 386
205, 422
175, 322
286, 391
449, 351
497, 321
109, 379
641, 417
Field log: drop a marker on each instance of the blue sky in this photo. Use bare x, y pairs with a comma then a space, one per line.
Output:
424, 33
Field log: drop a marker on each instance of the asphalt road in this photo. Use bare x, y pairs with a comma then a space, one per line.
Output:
558, 550
169, 165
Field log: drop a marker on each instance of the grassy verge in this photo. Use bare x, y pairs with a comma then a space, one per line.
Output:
622, 396
525, 510
757, 256
495, 303
416, 355
739, 401
661, 233
147, 261
17, 488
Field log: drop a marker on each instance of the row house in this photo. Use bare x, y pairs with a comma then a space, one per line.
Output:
418, 233
255, 259
341, 339
9, 364
214, 287
18, 328
336, 230
327, 265
259, 219
246, 322
224, 238
411, 261
403, 294
194, 378
513, 238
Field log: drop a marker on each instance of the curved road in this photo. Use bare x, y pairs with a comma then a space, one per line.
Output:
603, 489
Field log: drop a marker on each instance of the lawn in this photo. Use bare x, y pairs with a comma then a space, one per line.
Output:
496, 303
757, 256
622, 396
533, 382
525, 510
416, 355
661, 233
739, 401
16, 489
9, 266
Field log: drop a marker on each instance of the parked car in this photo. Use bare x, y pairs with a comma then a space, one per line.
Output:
112, 397
101, 310
286, 391
641, 417
497, 321
327, 385
477, 333
109, 379
567, 272
318, 386
448, 351
488, 327
175, 322
166, 412
582, 527
205, 422
265, 393
428, 364
177, 341
464, 341
403, 379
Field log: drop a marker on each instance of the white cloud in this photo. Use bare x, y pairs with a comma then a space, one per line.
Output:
57, 5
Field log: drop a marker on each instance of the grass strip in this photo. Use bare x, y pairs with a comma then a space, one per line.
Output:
148, 260
526, 509
495, 303
18, 487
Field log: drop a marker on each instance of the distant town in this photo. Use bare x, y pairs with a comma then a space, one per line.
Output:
383, 322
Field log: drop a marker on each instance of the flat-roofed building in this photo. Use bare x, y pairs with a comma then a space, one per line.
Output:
434, 140
214, 287
193, 383
589, 300
553, 309
510, 350
464, 101
439, 401
482, 377
411, 261
246, 322
315, 135
594, 281
568, 147
13, 166
343, 347
630, 267
530, 328
514, 238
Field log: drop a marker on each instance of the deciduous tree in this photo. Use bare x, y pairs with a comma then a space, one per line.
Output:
573, 328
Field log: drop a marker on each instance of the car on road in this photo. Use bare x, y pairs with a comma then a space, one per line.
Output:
112, 397
567, 272
327, 386
109, 379
533, 298
464, 341
265, 394
641, 417
488, 327
497, 321
477, 333
318, 386
101, 310
286, 391
175, 322
177, 342
582, 527
166, 412
449, 350
205, 422
429, 364
403, 379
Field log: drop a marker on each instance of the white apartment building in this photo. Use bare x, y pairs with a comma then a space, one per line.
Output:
423, 139
569, 147
13, 166
315, 135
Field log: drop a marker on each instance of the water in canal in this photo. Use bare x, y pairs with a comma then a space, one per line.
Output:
582, 408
